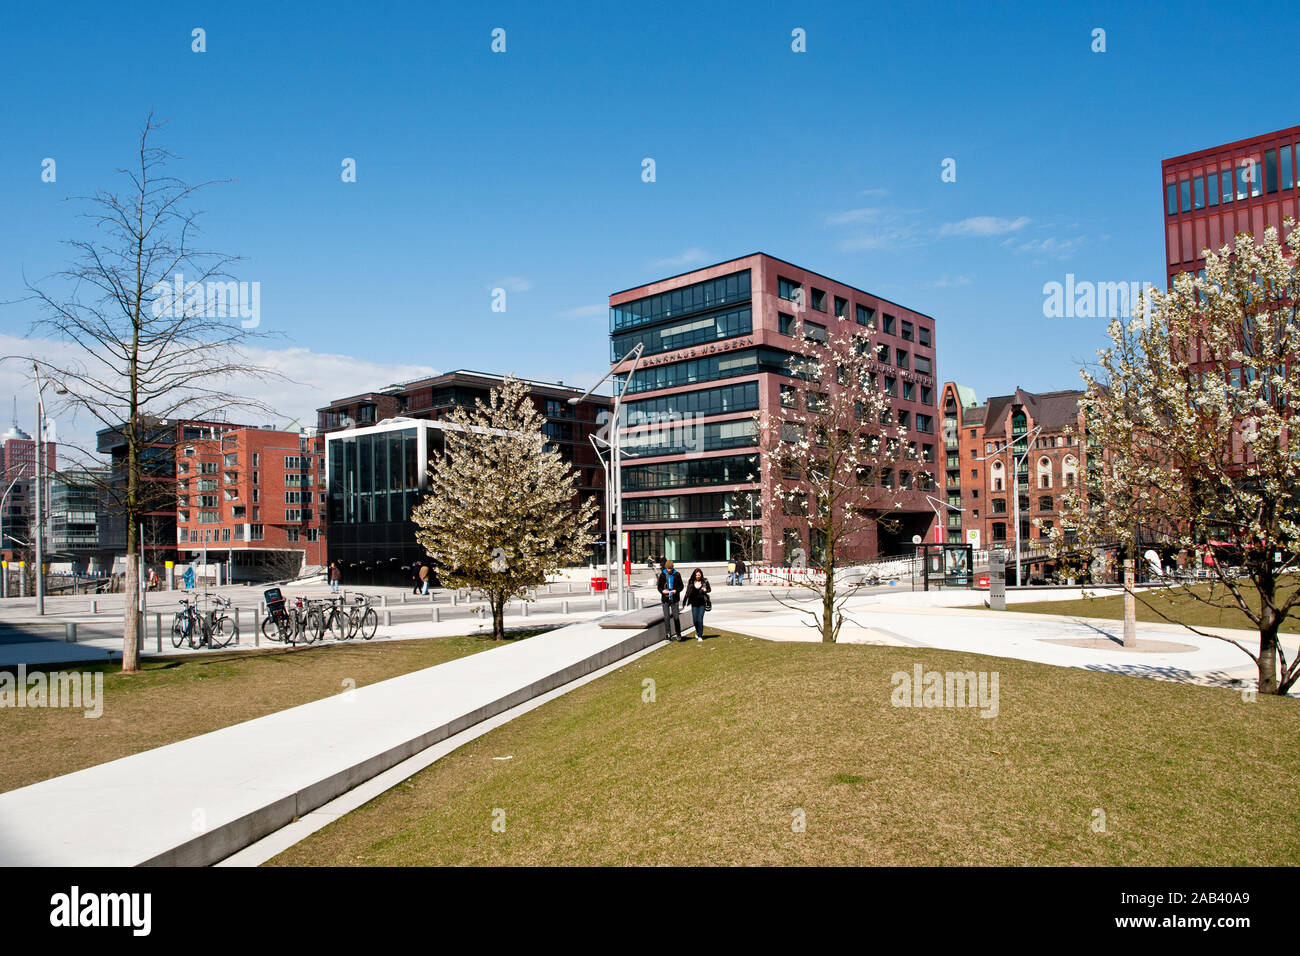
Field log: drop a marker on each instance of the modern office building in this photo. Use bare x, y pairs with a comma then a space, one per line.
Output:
717, 342
162, 439
76, 501
253, 500
1213, 194
378, 445
1013, 453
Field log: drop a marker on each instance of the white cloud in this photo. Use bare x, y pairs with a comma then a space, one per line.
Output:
688, 257
949, 282
311, 380
848, 216
1049, 248
585, 311
512, 284
983, 226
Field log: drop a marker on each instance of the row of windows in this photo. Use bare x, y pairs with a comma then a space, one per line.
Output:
1246, 181
709, 401
734, 469
713, 506
680, 335
792, 291
690, 438
708, 369
1045, 503
700, 297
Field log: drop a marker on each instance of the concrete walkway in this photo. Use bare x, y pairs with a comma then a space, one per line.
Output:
200, 800
921, 621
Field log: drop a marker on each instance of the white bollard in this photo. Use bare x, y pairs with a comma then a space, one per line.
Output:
523, 608
604, 603
453, 598
94, 607
388, 619
437, 615
564, 607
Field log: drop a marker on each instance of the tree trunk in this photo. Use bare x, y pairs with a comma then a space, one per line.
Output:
828, 606
498, 617
1130, 605
131, 613
1268, 682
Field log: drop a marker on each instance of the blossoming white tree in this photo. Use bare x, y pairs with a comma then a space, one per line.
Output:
838, 460
1194, 410
500, 513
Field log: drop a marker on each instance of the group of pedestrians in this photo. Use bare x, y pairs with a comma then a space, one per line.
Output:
736, 571
673, 594
419, 577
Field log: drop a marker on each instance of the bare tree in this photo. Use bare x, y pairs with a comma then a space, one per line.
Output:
149, 343
839, 461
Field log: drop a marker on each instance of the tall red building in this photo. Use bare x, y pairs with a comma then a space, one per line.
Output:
1215, 193
717, 342
254, 497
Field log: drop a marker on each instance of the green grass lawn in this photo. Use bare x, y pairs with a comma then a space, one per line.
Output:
743, 734
1176, 605
179, 697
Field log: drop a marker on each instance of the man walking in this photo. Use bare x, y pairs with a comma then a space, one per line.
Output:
415, 577
670, 596
335, 575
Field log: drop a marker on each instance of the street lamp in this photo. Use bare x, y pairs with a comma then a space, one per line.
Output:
40, 478
608, 514
1015, 469
616, 453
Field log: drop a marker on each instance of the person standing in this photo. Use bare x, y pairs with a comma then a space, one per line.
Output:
697, 599
335, 576
424, 579
731, 573
740, 570
669, 584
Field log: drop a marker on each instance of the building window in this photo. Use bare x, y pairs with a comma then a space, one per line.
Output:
925, 424
1045, 503
1270, 171
1198, 192
889, 324
819, 300
291, 535
1286, 167
1171, 198
841, 308
927, 395
789, 290
908, 391
923, 335
1212, 189
255, 532
999, 531
1185, 195
789, 396
906, 333
866, 316
923, 365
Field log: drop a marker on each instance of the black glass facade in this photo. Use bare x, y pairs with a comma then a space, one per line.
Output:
685, 438
729, 470
713, 368
708, 401
710, 506
695, 330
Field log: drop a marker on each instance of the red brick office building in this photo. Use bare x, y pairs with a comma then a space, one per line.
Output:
1215, 193
255, 498
717, 342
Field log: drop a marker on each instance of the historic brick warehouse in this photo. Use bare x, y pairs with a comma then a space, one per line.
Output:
717, 342
1007, 460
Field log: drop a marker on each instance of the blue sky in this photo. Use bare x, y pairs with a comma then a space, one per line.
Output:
522, 170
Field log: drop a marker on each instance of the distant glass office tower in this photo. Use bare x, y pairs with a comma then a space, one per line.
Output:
717, 343
1213, 194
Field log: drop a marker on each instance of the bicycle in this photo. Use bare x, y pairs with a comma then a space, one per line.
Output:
359, 618
213, 630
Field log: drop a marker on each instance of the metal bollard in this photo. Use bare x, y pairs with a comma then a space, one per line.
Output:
564, 607
437, 615
568, 588
94, 607
383, 600
604, 603
403, 597
523, 608
157, 630
70, 632
236, 627
453, 598
388, 619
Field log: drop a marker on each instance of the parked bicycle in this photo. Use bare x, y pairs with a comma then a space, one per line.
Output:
214, 629
344, 622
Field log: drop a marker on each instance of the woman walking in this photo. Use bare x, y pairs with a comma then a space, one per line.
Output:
697, 598
424, 578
